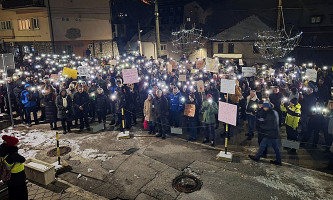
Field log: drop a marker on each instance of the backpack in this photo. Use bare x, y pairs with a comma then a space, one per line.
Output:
5, 173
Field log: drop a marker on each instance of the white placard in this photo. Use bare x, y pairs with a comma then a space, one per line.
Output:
240, 62
130, 76
228, 86
311, 75
227, 113
7, 59
212, 65
83, 71
249, 71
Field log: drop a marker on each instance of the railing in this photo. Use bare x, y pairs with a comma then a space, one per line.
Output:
10, 4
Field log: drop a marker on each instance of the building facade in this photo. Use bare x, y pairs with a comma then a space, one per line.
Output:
57, 26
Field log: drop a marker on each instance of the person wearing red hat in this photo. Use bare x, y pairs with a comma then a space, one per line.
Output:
17, 188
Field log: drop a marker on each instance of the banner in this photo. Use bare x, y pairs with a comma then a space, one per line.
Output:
130, 76
212, 65
70, 73
189, 110
311, 75
182, 78
249, 71
83, 71
200, 86
228, 86
227, 113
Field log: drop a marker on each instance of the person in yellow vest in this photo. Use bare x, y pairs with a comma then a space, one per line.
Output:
17, 188
292, 119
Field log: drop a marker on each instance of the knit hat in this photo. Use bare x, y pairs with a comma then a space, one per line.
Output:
209, 96
10, 140
266, 105
294, 101
27, 85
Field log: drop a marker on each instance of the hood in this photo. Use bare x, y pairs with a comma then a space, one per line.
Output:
27, 85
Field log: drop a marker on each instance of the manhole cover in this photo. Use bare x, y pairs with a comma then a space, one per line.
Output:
63, 151
186, 183
130, 151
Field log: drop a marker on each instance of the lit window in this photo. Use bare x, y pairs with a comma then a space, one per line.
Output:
6, 25
35, 24
315, 19
188, 19
24, 24
163, 47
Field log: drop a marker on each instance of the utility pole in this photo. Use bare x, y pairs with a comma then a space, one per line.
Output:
278, 24
139, 40
111, 5
51, 25
157, 31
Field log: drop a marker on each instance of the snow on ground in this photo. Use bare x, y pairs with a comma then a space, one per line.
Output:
297, 183
33, 141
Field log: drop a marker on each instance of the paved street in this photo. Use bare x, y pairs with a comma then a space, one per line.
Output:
144, 167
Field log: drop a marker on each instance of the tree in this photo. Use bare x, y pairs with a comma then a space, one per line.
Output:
273, 45
186, 42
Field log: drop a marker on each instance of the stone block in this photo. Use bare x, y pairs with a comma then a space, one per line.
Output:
223, 156
96, 127
290, 144
39, 171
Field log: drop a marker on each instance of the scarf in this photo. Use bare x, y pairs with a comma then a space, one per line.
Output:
64, 102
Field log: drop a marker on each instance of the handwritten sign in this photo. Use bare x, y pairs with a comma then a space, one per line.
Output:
70, 73
182, 78
200, 86
311, 75
189, 110
228, 86
83, 71
130, 76
249, 71
227, 113
240, 62
199, 64
212, 65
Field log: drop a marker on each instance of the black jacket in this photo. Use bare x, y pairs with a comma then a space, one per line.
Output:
81, 99
161, 108
309, 101
276, 100
101, 103
270, 125
50, 108
64, 113
13, 157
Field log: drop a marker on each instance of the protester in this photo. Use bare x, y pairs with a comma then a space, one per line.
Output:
160, 105
251, 109
101, 106
209, 110
149, 114
176, 106
29, 100
50, 107
17, 188
64, 108
81, 105
192, 121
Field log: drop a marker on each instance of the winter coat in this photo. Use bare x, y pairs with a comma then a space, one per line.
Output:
120, 101
161, 107
215, 93
323, 93
81, 99
130, 100
71, 93
276, 99
29, 99
101, 103
50, 108
252, 105
148, 110
17, 93
309, 101
64, 112
235, 97
175, 102
293, 115
270, 124
330, 123
16, 179
209, 110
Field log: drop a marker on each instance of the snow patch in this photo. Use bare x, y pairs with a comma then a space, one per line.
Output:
37, 165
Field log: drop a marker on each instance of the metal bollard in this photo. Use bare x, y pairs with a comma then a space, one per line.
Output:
123, 118
58, 149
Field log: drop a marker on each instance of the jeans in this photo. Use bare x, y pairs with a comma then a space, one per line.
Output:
250, 120
151, 125
162, 122
269, 142
28, 111
209, 131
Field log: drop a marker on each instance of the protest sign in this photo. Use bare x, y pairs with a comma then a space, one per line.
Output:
130, 76
240, 62
83, 71
199, 64
182, 78
227, 113
193, 71
189, 110
169, 67
174, 64
200, 86
212, 65
70, 73
55, 77
311, 75
228, 86
249, 71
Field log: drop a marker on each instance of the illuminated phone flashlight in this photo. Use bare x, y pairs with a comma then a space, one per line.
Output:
210, 100
179, 83
325, 110
38, 87
212, 80
256, 83
325, 68
239, 76
305, 88
191, 87
255, 106
150, 91
146, 77
33, 88
92, 94
314, 109
113, 97
267, 92
285, 99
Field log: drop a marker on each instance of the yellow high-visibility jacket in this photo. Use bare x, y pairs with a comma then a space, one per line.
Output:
293, 115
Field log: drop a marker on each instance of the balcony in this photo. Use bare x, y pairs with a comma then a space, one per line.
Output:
14, 4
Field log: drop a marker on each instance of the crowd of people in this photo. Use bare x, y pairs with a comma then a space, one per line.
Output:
283, 95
